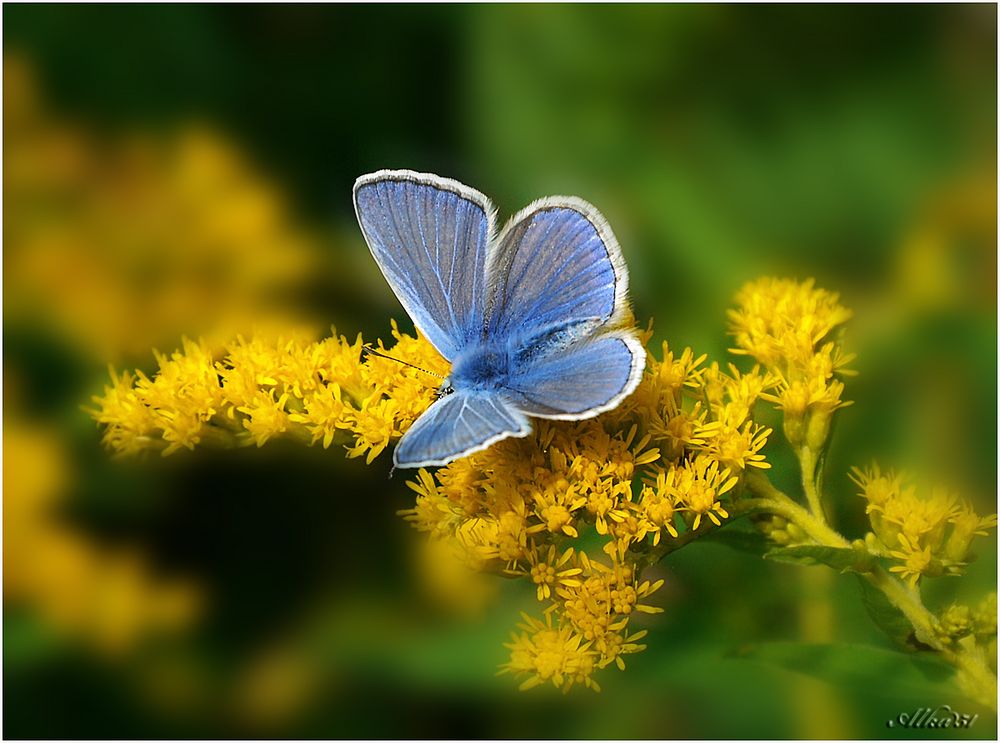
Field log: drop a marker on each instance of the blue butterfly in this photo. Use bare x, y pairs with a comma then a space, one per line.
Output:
532, 318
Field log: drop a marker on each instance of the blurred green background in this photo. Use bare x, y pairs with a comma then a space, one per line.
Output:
186, 170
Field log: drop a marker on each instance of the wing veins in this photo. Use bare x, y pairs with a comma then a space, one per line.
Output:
436, 270
395, 223
565, 283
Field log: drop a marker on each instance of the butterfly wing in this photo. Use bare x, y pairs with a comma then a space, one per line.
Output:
557, 288
456, 425
556, 261
587, 378
429, 236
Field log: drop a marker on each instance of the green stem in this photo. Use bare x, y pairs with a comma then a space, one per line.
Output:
811, 480
772, 500
977, 679
907, 600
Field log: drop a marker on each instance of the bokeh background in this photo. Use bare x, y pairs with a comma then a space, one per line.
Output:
186, 170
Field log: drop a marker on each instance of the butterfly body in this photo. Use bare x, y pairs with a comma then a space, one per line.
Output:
532, 318
486, 368
494, 362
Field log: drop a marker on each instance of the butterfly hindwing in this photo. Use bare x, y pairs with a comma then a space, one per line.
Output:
456, 425
429, 236
580, 381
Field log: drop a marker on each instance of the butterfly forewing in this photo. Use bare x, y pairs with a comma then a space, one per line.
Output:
429, 237
554, 262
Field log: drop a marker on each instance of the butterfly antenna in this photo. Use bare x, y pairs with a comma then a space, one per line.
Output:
369, 348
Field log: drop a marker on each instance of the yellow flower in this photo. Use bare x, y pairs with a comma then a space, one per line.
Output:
325, 413
266, 417
516, 508
956, 621
374, 426
697, 487
743, 391
658, 507
433, 512
877, 488
109, 598
674, 373
784, 325
453, 580
676, 430
604, 502
966, 525
780, 320
804, 401
547, 571
940, 525
915, 561
529, 507
735, 447
115, 243
266, 387
617, 643
556, 516
548, 653
511, 540
127, 419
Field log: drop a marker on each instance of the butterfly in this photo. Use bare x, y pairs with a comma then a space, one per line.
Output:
534, 318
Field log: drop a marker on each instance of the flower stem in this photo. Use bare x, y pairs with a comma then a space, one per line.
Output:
772, 500
811, 480
975, 676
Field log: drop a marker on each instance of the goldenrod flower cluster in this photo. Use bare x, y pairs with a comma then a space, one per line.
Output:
788, 327
262, 388
577, 509
663, 466
925, 534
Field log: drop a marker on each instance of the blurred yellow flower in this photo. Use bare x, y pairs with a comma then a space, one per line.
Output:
114, 244
109, 598
914, 561
550, 654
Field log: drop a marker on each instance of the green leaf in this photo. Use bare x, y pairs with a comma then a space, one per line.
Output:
742, 536
839, 558
887, 617
862, 667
